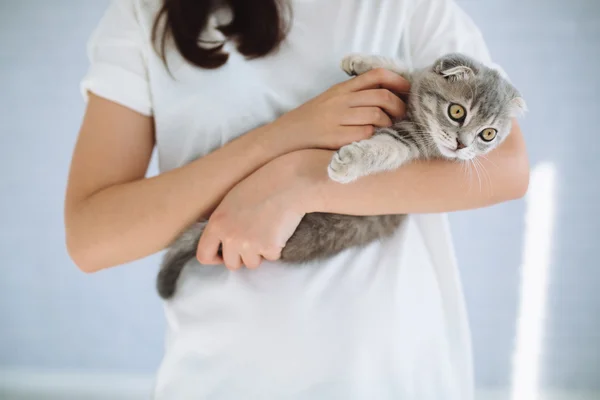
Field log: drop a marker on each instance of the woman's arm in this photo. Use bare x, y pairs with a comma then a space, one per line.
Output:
113, 215
258, 216
422, 186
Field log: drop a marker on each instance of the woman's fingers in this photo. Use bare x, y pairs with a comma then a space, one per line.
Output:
376, 78
366, 116
272, 254
231, 257
208, 248
208, 253
381, 98
250, 259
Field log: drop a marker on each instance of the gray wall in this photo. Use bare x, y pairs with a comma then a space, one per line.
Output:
551, 50
53, 316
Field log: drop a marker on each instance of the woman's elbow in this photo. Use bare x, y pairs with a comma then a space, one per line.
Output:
516, 162
519, 186
518, 177
81, 254
80, 246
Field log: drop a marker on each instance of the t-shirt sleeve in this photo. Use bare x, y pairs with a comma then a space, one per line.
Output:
439, 27
118, 63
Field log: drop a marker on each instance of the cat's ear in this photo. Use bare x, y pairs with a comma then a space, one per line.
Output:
460, 73
455, 67
518, 107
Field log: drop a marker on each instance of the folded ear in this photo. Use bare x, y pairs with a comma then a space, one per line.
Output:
455, 67
460, 73
518, 107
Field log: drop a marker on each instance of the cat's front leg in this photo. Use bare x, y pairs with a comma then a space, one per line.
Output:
379, 153
358, 64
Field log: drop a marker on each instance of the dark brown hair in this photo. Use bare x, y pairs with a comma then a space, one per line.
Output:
258, 27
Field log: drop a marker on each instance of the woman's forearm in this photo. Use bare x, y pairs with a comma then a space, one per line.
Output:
424, 186
129, 220
114, 215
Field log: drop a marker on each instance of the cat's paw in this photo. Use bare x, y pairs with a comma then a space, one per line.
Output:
345, 166
356, 64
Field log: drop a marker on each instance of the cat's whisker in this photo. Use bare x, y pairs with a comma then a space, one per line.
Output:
477, 172
468, 165
487, 175
464, 167
488, 160
477, 165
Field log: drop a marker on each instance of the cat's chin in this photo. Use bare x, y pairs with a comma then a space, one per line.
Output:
446, 151
453, 154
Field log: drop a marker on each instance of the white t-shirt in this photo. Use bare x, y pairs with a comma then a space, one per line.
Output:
384, 322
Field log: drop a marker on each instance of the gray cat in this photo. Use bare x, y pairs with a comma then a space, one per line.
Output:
458, 109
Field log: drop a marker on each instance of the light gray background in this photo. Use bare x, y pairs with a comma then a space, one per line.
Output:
53, 316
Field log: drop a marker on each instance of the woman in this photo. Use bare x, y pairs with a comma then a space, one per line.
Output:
245, 121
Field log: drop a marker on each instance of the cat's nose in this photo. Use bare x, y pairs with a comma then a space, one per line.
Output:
459, 144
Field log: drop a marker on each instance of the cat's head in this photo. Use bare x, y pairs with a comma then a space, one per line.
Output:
464, 106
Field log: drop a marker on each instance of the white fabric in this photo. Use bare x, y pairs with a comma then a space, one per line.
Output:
384, 322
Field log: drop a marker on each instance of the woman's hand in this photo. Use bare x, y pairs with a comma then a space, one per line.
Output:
257, 217
347, 112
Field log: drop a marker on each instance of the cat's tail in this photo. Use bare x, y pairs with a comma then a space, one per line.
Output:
180, 252
323, 235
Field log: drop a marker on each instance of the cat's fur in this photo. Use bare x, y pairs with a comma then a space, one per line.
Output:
427, 131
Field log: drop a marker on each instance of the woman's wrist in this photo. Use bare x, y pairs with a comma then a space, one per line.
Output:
306, 170
276, 139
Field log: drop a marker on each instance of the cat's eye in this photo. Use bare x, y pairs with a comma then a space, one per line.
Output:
457, 113
488, 134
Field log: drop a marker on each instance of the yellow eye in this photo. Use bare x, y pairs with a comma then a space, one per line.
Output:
488, 134
457, 112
